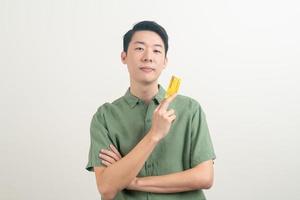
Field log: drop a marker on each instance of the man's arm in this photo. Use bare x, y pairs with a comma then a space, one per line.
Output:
115, 178
199, 177
118, 176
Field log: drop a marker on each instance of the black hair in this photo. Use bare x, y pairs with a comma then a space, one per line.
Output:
146, 26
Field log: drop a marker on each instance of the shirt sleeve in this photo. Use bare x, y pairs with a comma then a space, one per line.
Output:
201, 145
100, 139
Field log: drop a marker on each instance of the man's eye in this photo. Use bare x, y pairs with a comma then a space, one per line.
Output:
139, 48
157, 51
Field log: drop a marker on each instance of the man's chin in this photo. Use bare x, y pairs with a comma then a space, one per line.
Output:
148, 82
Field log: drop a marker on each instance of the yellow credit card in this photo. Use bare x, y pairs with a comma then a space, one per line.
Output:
173, 86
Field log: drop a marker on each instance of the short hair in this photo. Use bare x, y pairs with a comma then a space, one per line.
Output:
146, 26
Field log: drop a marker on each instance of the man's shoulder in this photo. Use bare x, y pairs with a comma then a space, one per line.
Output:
187, 102
108, 106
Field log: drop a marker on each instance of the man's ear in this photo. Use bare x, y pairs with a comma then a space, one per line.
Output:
123, 57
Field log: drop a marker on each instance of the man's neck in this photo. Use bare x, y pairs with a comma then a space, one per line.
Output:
144, 92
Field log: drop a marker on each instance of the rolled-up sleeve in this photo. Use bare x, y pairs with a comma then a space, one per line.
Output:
100, 139
201, 143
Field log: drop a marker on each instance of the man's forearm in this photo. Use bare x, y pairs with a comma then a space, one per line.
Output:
191, 179
117, 176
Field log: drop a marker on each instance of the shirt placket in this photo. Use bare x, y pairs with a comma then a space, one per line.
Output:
148, 123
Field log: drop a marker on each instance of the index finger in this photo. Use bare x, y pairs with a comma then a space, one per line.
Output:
114, 149
166, 102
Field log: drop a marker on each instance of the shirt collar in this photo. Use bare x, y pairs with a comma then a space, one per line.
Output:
133, 100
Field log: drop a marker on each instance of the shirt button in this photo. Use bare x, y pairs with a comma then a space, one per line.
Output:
149, 165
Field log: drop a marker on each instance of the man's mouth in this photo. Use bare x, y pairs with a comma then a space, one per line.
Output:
147, 69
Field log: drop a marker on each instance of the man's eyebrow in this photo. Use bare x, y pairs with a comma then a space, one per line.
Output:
139, 42
143, 43
158, 45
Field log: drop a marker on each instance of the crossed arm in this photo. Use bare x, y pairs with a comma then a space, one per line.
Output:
199, 177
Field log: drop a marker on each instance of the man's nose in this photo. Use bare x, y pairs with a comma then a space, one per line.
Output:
147, 57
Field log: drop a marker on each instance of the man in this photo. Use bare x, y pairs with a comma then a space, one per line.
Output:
142, 145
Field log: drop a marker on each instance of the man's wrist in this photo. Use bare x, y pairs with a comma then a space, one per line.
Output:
133, 184
153, 137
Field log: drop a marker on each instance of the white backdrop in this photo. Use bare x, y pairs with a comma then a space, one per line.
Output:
60, 60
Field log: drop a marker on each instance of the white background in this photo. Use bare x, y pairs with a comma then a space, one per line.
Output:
60, 60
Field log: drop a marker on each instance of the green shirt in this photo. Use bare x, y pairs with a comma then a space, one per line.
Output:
125, 122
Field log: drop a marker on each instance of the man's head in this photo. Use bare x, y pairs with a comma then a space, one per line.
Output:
146, 26
144, 52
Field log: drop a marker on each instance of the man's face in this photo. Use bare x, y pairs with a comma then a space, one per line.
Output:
145, 57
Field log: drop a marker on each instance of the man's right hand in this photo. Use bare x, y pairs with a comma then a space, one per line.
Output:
162, 119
